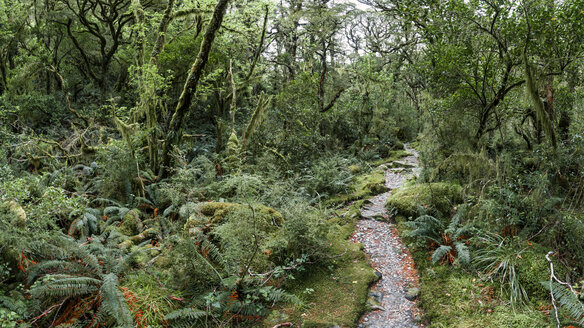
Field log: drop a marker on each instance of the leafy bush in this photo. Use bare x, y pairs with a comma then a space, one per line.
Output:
327, 176
448, 241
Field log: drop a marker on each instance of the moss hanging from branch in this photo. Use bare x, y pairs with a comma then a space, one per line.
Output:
542, 115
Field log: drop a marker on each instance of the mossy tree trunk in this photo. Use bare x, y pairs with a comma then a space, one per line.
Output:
174, 129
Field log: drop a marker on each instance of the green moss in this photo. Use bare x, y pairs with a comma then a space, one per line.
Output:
439, 197
131, 224
338, 296
354, 169
17, 213
394, 155
363, 186
532, 269
335, 294
233, 159
150, 233
216, 212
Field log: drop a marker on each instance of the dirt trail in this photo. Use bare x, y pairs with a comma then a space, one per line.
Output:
389, 256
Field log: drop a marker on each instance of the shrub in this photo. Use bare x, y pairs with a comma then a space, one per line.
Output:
327, 176
569, 235
448, 241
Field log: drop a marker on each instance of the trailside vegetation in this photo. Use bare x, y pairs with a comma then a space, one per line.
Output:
203, 163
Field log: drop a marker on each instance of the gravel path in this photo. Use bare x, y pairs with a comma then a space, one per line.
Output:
389, 256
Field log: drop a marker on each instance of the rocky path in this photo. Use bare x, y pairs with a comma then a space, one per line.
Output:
392, 297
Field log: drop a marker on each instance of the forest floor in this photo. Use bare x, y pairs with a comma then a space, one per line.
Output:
392, 298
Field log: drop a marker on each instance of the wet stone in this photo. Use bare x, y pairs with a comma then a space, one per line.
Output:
389, 257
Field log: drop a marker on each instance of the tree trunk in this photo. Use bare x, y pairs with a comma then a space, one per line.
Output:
174, 129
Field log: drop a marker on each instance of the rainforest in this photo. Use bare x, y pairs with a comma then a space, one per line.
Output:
292, 163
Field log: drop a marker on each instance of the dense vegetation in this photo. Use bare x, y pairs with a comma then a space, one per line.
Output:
202, 163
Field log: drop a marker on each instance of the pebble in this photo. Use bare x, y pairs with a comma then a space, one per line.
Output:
388, 256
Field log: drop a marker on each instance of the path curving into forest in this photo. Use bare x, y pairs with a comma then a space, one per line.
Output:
389, 256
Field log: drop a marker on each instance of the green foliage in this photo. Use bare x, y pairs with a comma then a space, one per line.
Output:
327, 176
570, 235
568, 298
436, 198
449, 241
498, 257
90, 270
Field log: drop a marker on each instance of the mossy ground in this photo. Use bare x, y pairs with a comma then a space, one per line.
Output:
441, 197
453, 297
394, 155
336, 294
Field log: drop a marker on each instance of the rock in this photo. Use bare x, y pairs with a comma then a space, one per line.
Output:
418, 319
412, 293
378, 274
131, 223
377, 308
17, 212
377, 296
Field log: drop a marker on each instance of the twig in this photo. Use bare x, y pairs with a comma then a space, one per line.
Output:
552, 277
285, 324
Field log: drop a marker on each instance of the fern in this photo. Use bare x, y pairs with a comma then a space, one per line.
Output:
185, 317
89, 270
114, 303
567, 299
448, 240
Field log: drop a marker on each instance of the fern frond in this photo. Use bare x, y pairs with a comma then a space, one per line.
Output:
186, 314
440, 252
114, 303
567, 299
463, 253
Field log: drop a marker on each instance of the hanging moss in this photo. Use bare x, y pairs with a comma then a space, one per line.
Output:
233, 159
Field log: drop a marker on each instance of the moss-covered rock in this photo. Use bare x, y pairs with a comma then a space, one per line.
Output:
440, 197
131, 223
17, 213
354, 169
214, 213
363, 186
150, 233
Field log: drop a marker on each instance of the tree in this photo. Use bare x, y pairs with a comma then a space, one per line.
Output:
190, 87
